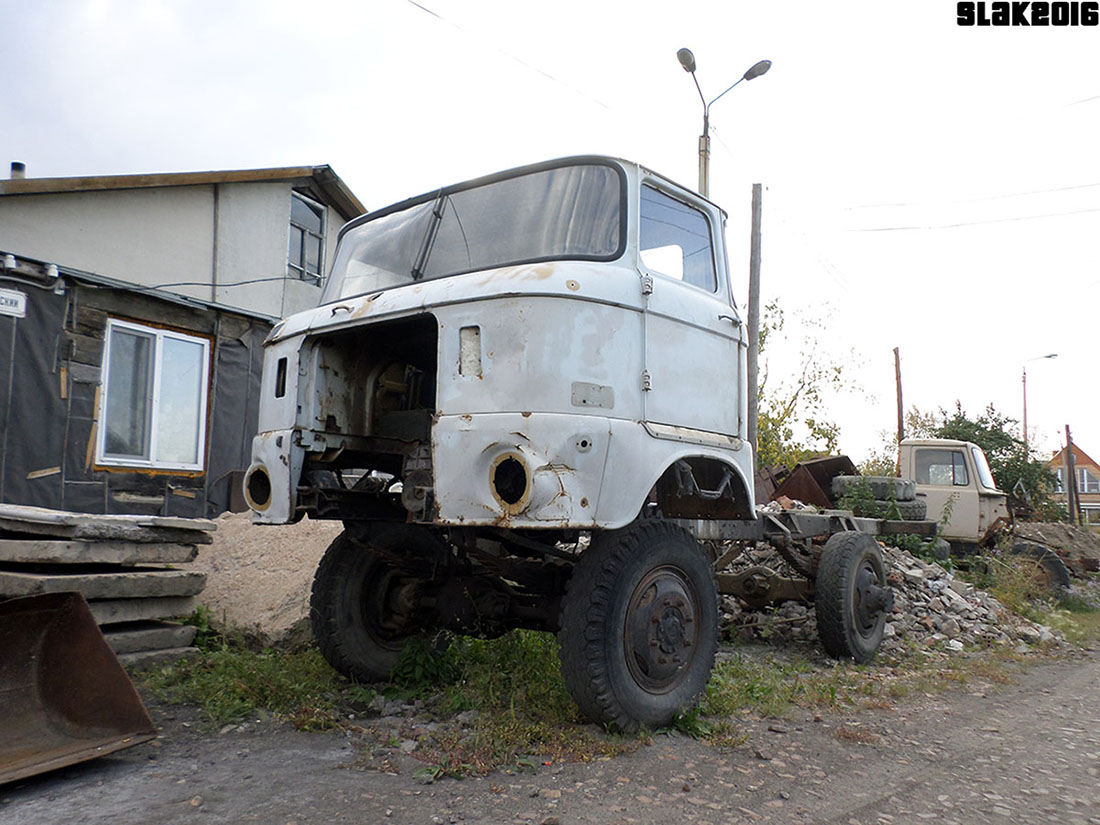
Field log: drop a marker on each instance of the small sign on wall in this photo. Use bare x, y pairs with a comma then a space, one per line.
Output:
13, 302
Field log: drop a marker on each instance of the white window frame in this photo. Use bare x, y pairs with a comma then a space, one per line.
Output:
296, 270
1083, 476
159, 335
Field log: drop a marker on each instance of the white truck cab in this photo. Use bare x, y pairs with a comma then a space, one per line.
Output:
534, 349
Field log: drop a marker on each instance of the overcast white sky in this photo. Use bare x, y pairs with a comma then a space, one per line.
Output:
929, 187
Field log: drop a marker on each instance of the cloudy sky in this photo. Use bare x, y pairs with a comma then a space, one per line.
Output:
928, 186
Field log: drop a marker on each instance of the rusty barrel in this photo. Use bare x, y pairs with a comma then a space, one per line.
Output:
64, 697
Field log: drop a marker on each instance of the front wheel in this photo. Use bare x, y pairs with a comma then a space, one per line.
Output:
853, 597
639, 626
360, 605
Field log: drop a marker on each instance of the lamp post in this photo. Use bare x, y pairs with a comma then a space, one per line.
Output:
687, 60
1028, 361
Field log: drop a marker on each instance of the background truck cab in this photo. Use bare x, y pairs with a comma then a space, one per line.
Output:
954, 480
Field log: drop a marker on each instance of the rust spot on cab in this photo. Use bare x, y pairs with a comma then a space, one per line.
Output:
526, 414
584, 502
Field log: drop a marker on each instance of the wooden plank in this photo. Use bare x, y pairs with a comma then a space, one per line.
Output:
138, 584
90, 321
112, 611
86, 349
85, 373
149, 636
45, 551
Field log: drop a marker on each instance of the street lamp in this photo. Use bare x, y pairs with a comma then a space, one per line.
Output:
687, 60
1028, 361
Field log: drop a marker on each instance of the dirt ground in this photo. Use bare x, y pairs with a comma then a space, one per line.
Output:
983, 753
258, 577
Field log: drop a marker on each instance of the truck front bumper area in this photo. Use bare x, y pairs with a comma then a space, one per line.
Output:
272, 477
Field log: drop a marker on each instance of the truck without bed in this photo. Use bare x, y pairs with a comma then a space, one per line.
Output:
524, 396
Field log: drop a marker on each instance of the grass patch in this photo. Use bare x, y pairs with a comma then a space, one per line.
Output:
231, 683
772, 688
513, 683
515, 686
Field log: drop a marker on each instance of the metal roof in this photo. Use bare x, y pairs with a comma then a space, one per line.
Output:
322, 179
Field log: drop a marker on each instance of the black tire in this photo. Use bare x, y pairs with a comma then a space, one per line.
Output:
639, 626
907, 510
853, 597
882, 487
349, 605
1051, 571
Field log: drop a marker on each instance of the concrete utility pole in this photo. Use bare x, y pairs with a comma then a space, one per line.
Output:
754, 314
1072, 494
901, 408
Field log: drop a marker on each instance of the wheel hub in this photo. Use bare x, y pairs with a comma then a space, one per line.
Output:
660, 631
871, 599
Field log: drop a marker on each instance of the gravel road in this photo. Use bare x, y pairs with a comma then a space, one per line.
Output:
1025, 752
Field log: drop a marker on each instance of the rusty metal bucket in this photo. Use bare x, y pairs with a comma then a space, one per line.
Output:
810, 481
64, 697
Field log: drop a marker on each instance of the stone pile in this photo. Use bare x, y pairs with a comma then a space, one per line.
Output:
933, 609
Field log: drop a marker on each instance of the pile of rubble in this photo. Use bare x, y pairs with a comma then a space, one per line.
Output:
932, 609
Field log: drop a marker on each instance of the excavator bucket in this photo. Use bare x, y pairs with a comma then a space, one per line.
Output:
64, 697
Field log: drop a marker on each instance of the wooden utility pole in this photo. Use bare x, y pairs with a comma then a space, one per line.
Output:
901, 407
1072, 493
754, 313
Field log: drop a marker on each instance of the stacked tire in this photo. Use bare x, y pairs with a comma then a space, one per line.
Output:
889, 495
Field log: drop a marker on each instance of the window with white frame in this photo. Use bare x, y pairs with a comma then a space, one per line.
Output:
306, 252
1087, 482
1060, 481
153, 404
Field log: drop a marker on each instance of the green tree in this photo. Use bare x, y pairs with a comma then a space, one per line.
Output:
792, 422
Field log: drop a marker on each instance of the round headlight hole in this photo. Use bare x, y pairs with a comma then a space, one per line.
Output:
258, 487
510, 480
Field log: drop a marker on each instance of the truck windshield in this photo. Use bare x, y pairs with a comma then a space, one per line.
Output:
985, 476
564, 212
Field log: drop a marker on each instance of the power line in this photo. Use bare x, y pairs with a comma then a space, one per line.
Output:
980, 199
974, 223
513, 57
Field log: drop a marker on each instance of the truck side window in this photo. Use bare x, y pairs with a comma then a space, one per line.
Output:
946, 468
675, 240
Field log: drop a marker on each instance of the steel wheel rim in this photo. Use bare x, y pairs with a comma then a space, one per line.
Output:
661, 629
868, 599
372, 606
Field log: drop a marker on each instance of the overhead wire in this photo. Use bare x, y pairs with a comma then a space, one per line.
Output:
510, 56
961, 224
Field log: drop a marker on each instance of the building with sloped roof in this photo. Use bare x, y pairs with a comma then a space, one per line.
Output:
133, 310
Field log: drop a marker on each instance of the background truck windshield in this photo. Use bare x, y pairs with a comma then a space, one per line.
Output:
567, 212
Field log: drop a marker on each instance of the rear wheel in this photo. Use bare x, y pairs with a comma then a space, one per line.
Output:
361, 607
853, 597
1050, 571
639, 626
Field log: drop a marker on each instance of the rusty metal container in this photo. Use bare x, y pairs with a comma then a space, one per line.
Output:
810, 481
64, 697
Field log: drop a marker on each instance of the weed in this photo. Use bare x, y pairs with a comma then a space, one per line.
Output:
860, 500
206, 637
230, 683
